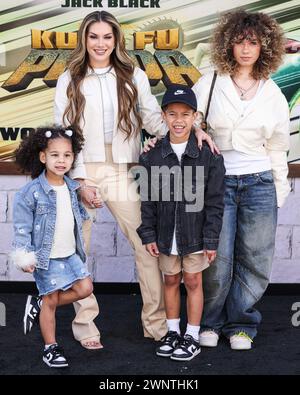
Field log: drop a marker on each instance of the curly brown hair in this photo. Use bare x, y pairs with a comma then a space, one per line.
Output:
27, 154
236, 26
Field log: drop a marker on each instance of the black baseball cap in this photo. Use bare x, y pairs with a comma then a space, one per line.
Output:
179, 94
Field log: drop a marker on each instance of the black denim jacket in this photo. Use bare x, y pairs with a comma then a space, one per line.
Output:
195, 230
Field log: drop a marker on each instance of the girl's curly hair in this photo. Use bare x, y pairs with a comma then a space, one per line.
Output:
27, 154
236, 26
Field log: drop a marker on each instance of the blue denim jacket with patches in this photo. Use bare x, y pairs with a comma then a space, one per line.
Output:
34, 216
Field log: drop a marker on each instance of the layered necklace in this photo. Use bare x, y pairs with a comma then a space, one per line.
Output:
243, 91
104, 74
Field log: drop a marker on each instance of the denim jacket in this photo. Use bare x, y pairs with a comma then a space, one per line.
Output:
34, 216
195, 230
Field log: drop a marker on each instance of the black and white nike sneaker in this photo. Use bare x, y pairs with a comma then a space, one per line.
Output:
32, 312
168, 344
187, 349
54, 357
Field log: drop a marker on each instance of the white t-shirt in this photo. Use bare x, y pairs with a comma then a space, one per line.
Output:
108, 109
179, 150
238, 163
64, 243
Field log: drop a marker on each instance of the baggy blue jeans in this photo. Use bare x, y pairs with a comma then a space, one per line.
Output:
240, 274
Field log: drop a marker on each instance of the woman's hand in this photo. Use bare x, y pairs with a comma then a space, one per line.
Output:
97, 202
150, 144
88, 195
152, 249
202, 136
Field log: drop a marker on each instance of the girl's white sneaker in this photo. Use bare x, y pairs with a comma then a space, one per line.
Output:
240, 341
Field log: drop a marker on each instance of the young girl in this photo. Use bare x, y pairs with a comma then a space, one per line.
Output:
109, 99
47, 223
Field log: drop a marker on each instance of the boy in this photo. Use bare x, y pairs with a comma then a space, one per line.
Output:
182, 209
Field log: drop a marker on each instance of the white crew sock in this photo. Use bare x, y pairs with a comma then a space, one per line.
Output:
193, 330
173, 325
48, 345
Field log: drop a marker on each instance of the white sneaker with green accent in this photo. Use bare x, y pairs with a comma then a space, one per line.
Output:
240, 341
208, 339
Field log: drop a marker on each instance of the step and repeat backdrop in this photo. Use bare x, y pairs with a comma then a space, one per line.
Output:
169, 39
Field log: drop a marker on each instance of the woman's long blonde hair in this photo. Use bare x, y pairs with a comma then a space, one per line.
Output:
124, 68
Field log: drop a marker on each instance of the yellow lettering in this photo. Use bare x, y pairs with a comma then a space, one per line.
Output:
145, 60
143, 38
177, 69
53, 40
66, 40
57, 67
167, 39
35, 65
41, 39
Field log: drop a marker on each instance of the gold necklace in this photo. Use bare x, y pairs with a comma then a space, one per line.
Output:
244, 91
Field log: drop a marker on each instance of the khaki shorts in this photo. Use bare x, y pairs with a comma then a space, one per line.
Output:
173, 264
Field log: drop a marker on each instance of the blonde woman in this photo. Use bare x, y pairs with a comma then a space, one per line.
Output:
249, 121
109, 100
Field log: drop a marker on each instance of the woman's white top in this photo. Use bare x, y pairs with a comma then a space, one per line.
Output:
108, 108
124, 150
238, 163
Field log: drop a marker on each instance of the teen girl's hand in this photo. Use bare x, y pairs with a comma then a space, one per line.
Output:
152, 249
29, 269
211, 255
202, 136
150, 144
